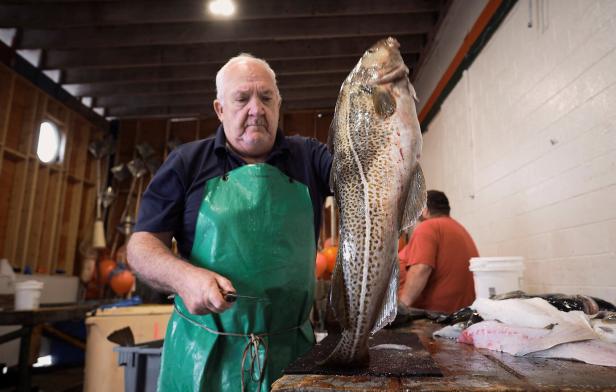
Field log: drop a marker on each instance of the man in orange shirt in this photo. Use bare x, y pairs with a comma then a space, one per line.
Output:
434, 265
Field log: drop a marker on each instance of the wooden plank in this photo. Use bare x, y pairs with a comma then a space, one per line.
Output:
25, 211
186, 131
468, 369
285, 70
322, 125
22, 109
29, 187
89, 161
557, 375
152, 132
63, 15
208, 127
86, 224
46, 314
206, 97
205, 110
321, 383
376, 26
50, 222
300, 123
8, 175
73, 202
204, 84
6, 97
216, 52
36, 226
59, 226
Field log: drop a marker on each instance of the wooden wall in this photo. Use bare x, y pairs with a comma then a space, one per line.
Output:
46, 210
156, 132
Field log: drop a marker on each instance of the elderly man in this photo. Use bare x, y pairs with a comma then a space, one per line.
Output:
245, 208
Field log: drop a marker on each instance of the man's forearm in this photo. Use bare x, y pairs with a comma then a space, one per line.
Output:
154, 262
416, 279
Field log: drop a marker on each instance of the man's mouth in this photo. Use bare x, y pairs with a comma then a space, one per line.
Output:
260, 124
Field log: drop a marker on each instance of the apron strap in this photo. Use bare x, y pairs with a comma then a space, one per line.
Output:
251, 348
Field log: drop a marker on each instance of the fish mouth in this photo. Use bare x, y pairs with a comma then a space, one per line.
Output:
392, 42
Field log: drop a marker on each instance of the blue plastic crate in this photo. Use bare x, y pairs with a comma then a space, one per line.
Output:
142, 365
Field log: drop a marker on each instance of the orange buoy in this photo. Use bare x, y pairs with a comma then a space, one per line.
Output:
330, 254
105, 267
321, 266
121, 282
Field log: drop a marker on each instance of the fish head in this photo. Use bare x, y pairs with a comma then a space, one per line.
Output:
381, 58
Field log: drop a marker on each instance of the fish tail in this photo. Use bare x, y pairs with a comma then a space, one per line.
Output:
344, 354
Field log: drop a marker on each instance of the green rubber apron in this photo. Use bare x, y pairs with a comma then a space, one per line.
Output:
255, 227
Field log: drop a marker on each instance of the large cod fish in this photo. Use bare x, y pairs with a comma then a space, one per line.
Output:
376, 142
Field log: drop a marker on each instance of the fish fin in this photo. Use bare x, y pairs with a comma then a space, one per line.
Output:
415, 200
383, 101
332, 176
412, 91
332, 132
337, 296
390, 302
333, 128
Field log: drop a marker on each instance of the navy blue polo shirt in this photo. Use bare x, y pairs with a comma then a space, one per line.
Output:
172, 200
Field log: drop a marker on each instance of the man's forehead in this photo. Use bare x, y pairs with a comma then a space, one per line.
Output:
248, 72
248, 86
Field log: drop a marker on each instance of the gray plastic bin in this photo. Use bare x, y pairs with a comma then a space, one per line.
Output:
142, 364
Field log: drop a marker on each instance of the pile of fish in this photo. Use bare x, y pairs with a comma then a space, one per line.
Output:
547, 326
375, 140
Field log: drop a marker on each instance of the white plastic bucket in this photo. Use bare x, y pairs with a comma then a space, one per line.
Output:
28, 294
496, 275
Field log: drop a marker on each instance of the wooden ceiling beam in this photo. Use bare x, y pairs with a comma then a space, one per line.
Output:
207, 97
287, 68
228, 31
206, 110
187, 86
218, 52
99, 13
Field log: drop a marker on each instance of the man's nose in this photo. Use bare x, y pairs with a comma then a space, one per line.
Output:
255, 107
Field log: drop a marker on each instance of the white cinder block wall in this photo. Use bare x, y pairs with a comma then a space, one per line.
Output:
525, 146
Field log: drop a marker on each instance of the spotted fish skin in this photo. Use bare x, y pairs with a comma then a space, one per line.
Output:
376, 141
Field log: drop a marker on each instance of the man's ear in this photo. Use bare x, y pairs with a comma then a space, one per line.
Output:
218, 109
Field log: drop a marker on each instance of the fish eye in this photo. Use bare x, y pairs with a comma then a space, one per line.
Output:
371, 50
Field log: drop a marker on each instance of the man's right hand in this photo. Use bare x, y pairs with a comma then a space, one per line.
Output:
202, 292
149, 256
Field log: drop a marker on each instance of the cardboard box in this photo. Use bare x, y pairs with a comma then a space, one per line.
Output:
147, 322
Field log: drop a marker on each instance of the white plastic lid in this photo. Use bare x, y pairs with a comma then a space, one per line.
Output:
500, 263
29, 285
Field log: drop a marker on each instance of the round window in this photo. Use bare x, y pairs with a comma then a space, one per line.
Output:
48, 149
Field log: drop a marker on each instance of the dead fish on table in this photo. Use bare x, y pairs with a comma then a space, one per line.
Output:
565, 302
376, 142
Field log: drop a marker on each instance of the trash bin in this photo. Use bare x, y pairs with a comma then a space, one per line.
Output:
141, 365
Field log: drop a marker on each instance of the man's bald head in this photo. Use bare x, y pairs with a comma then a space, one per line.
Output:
221, 75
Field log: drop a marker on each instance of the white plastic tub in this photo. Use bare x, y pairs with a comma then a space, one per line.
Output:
496, 275
28, 294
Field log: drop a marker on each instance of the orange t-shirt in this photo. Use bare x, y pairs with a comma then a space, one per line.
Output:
446, 246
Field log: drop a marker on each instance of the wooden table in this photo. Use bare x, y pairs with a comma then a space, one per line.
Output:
28, 319
466, 368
